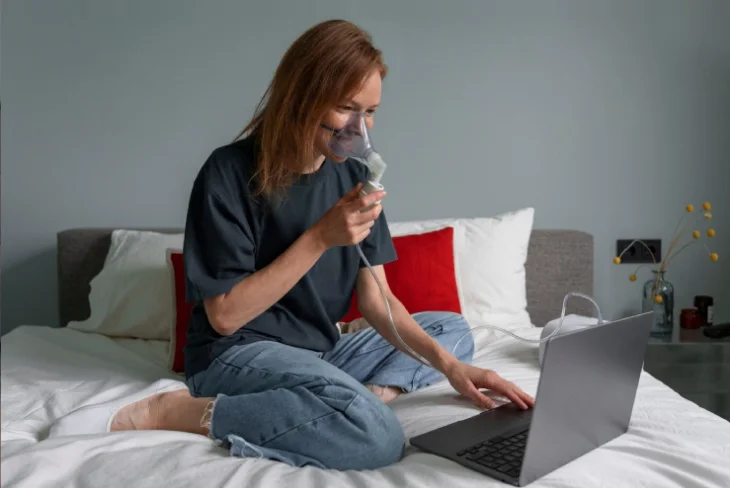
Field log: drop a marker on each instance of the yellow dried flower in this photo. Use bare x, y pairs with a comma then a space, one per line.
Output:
617, 260
707, 206
659, 299
708, 215
632, 277
696, 234
714, 257
710, 232
690, 208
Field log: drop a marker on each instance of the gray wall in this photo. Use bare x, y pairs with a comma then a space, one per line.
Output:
605, 116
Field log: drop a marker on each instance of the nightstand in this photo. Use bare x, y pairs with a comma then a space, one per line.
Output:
695, 366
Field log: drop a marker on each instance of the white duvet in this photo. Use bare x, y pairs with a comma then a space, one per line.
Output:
49, 372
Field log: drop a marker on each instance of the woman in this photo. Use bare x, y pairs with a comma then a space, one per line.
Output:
271, 264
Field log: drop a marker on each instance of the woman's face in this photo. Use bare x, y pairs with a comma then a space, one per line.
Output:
365, 101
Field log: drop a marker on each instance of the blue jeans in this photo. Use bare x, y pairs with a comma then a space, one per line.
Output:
306, 408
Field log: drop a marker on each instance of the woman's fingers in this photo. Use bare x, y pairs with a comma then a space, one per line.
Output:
362, 235
363, 228
368, 215
527, 398
517, 391
513, 393
479, 398
516, 398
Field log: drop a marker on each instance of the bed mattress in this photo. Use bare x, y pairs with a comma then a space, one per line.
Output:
48, 372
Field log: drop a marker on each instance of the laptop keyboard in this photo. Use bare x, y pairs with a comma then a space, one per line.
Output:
501, 453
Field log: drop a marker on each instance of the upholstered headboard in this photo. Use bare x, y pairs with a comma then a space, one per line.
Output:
558, 261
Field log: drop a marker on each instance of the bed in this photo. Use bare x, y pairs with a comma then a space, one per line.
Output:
48, 372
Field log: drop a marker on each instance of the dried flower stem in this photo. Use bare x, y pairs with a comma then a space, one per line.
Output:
680, 250
636, 271
665, 261
667, 258
650, 253
679, 223
643, 244
655, 288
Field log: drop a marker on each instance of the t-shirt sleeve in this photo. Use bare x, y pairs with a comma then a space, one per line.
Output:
219, 246
378, 245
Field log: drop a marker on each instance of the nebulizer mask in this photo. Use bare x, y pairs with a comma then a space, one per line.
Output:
353, 141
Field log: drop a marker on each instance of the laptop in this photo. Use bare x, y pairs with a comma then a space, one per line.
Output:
584, 399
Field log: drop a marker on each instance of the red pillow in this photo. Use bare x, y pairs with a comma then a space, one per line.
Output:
182, 314
423, 277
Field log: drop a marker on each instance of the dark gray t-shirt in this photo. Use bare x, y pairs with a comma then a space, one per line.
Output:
229, 235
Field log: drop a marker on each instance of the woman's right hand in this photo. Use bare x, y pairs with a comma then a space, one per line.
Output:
346, 223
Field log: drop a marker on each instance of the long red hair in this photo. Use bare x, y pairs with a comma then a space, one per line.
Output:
325, 65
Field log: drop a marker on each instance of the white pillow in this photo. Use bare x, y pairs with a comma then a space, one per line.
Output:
132, 296
489, 260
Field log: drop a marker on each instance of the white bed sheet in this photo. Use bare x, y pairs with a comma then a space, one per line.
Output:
49, 372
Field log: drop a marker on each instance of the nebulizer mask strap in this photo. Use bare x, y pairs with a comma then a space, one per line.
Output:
353, 140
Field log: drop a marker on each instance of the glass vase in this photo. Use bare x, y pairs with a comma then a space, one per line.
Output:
663, 325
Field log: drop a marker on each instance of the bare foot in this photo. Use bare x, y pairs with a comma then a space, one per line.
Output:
148, 413
386, 393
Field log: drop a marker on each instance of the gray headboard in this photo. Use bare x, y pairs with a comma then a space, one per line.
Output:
558, 261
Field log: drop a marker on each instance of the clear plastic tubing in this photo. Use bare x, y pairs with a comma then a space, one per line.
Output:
425, 362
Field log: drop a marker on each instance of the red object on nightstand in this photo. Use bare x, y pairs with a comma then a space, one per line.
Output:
690, 319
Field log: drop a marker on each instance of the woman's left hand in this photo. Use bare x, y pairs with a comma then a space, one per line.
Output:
468, 380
